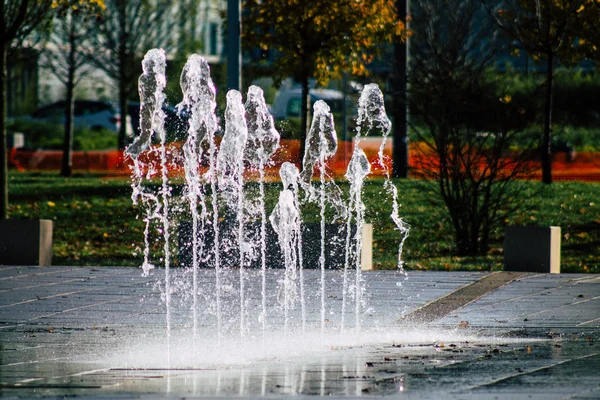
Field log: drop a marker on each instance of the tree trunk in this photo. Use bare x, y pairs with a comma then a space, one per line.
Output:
123, 111
67, 160
123, 76
546, 149
400, 106
462, 240
304, 116
3, 149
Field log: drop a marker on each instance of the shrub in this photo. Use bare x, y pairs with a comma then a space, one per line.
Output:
43, 135
575, 95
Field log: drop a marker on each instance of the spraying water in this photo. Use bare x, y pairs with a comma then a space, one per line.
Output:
263, 141
285, 220
199, 101
372, 115
230, 168
321, 144
358, 169
250, 137
151, 87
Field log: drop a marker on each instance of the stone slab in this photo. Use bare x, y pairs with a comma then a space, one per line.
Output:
96, 351
26, 242
532, 249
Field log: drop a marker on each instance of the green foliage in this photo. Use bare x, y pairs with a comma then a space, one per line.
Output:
289, 128
19, 20
575, 95
576, 99
320, 39
585, 33
468, 127
576, 112
581, 138
540, 26
83, 235
571, 205
43, 135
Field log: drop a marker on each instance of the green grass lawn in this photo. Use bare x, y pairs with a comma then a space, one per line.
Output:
96, 224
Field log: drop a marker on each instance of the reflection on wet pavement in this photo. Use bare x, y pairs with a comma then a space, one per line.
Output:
100, 333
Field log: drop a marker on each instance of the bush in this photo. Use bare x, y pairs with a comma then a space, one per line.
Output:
581, 138
43, 135
575, 95
576, 99
288, 128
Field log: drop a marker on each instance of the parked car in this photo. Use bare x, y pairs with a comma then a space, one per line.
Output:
89, 114
288, 103
176, 122
287, 107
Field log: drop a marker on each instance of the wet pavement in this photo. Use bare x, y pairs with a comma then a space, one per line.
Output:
101, 333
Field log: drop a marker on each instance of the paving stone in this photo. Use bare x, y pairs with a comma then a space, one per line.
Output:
101, 333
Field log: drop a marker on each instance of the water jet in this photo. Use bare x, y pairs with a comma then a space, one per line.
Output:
223, 227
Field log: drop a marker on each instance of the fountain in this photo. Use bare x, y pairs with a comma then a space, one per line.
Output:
199, 98
263, 141
225, 226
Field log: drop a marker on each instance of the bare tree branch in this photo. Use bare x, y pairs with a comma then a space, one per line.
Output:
465, 132
127, 30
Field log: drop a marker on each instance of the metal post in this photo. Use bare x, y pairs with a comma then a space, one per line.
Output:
234, 45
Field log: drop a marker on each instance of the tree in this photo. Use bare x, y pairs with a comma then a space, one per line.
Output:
585, 32
19, 19
399, 92
319, 39
541, 28
66, 57
126, 30
468, 129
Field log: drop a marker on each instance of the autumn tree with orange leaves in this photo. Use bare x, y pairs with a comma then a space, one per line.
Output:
319, 39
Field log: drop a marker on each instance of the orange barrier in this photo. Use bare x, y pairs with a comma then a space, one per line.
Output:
83, 161
289, 150
584, 167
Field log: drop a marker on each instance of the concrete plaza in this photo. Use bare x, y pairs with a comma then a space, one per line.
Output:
101, 333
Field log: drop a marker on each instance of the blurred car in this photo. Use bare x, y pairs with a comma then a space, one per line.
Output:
288, 103
176, 121
88, 114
